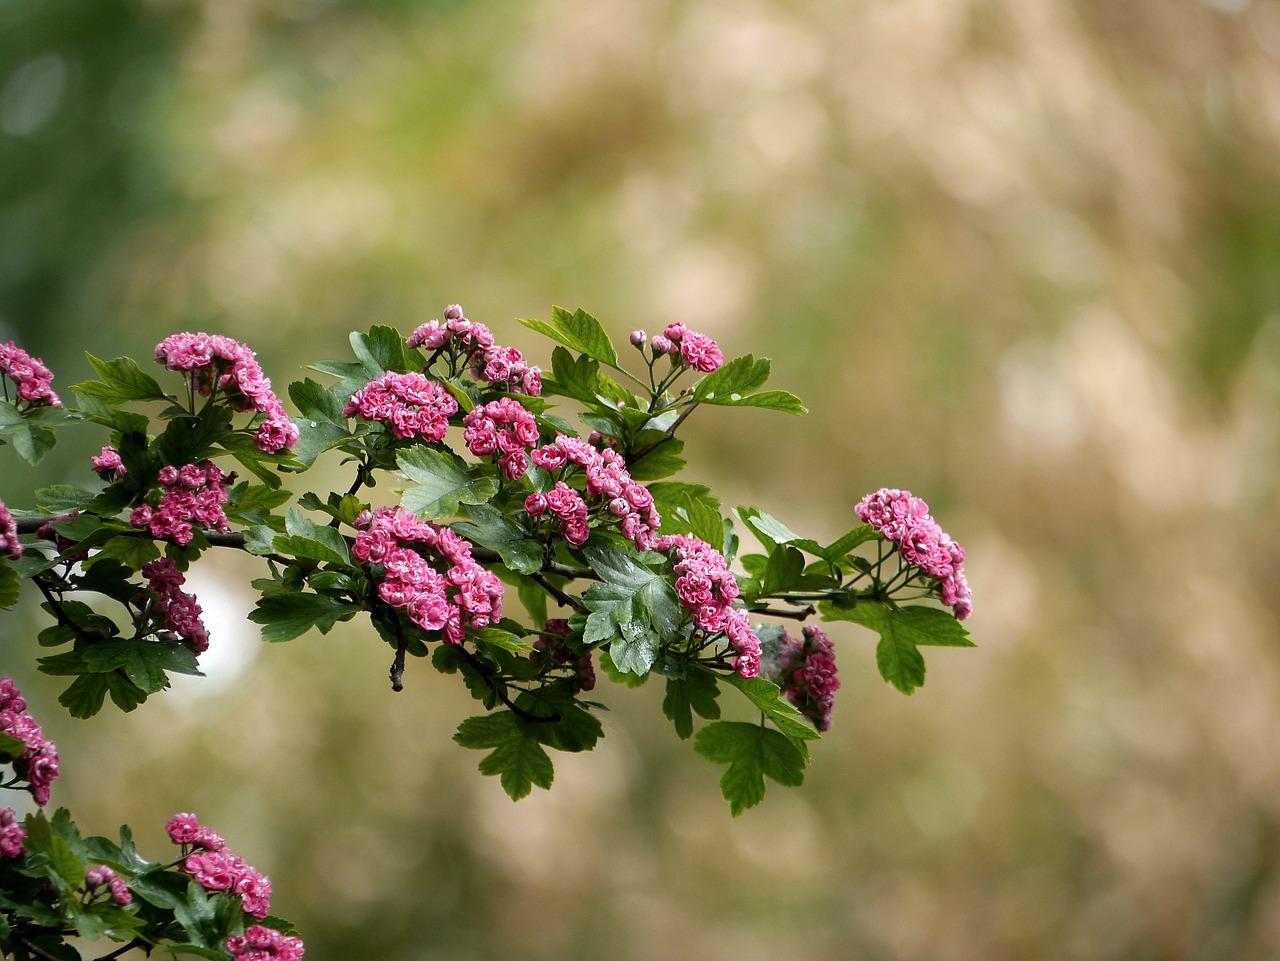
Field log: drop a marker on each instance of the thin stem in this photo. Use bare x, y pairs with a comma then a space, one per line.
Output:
564, 599
801, 615
123, 949
38, 951
486, 674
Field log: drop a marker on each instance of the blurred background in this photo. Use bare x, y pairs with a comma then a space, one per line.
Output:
1022, 258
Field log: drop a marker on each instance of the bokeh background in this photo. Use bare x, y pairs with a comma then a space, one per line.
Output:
1020, 257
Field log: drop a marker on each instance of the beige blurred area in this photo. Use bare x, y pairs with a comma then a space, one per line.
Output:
1019, 256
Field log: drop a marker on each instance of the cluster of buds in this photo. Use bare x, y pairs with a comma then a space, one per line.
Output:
193, 494
31, 377
411, 404
179, 609
707, 589
9, 543
260, 943
13, 835
503, 427
101, 875
213, 363
611, 495
903, 519
685, 347
38, 763
804, 668
207, 860
551, 650
472, 345
463, 595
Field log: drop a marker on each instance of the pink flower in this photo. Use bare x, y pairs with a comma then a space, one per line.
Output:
38, 765
260, 943
30, 375
805, 670
903, 519
109, 464
700, 352
180, 610
9, 543
195, 492
412, 404
12, 834
707, 589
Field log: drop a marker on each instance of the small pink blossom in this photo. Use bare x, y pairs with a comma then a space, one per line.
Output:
9, 543
29, 374
707, 589
108, 464
412, 404
38, 765
12, 834
805, 669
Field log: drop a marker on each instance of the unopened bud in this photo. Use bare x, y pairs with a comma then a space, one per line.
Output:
638, 337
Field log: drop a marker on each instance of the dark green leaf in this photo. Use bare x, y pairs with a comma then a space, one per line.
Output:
85, 695
9, 586
490, 528
11, 748
305, 538
286, 616
317, 402
733, 381
783, 572
901, 630
695, 691
663, 461
126, 378
517, 757
752, 753
62, 498
124, 693
130, 551
442, 483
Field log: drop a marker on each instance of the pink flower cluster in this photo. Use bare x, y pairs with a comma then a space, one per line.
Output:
805, 670
903, 519
503, 427
705, 586
617, 498
215, 363
12, 834
9, 543
412, 404
503, 367
260, 943
101, 874
465, 595
689, 347
550, 647
109, 465
180, 610
215, 868
192, 493
38, 765
30, 375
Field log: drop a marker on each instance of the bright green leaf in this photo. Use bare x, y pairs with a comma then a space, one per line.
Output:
442, 483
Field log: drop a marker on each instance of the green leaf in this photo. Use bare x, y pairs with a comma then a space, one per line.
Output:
306, 538
11, 748
121, 379
694, 515
495, 637
578, 331
124, 693
145, 663
696, 691
9, 586
634, 608
315, 440
66, 868
517, 757
130, 551
442, 483
752, 753
780, 400
260, 540
31, 442
490, 528
847, 542
85, 695
733, 381
575, 728
784, 570
62, 498
663, 461
765, 695
317, 402
286, 616
901, 630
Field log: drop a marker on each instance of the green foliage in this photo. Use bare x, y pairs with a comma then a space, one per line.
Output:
517, 757
902, 631
753, 752
443, 482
